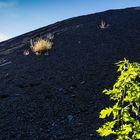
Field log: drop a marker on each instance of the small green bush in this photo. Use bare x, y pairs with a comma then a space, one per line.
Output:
125, 113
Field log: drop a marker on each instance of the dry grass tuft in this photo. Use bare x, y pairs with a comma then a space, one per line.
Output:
50, 36
26, 52
103, 25
41, 45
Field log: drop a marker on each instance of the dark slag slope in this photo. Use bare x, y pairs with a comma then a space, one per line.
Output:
58, 97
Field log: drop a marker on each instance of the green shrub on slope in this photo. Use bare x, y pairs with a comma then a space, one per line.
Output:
125, 113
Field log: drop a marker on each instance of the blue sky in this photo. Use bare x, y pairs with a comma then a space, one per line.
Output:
21, 16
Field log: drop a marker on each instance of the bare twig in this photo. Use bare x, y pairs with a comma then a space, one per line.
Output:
6, 63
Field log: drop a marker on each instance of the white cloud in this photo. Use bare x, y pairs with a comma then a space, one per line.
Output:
3, 37
4, 5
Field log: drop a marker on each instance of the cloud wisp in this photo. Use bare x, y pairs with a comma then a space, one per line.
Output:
4, 5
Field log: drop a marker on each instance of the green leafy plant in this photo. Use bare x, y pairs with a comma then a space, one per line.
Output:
125, 113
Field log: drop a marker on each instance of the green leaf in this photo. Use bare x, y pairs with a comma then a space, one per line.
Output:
125, 129
106, 129
105, 112
138, 135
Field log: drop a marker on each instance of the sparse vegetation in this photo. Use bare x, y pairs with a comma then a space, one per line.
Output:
126, 111
41, 45
26, 52
103, 25
50, 36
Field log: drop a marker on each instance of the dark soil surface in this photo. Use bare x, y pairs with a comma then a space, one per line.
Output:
58, 97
